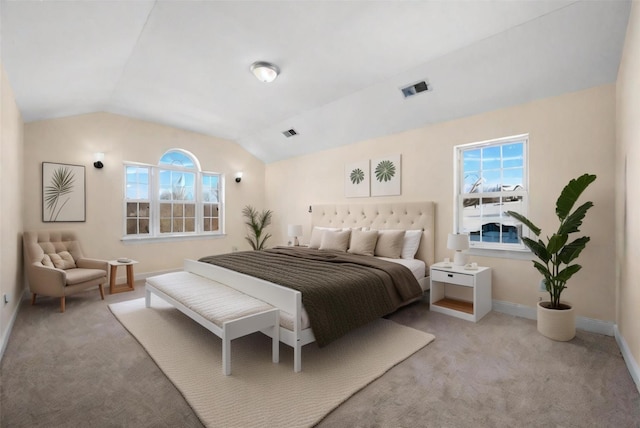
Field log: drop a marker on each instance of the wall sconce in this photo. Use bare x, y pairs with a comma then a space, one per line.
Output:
98, 158
458, 242
238, 176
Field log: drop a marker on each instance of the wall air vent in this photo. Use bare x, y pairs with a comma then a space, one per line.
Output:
289, 133
416, 88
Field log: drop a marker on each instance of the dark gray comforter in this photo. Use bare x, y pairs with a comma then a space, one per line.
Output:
340, 291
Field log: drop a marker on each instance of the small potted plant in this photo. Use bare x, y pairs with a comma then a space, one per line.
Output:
256, 223
556, 256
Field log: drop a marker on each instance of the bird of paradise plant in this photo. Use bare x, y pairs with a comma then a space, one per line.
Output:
61, 184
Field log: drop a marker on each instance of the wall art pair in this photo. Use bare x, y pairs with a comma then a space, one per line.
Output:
375, 177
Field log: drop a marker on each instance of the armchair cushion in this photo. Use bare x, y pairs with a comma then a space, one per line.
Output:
77, 276
46, 261
62, 260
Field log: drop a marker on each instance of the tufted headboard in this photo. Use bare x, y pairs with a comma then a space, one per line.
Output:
401, 215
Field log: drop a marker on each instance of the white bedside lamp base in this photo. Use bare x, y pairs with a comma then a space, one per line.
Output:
460, 258
458, 242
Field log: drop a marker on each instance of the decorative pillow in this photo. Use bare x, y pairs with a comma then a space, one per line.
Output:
389, 243
363, 243
46, 260
411, 243
62, 260
335, 240
316, 236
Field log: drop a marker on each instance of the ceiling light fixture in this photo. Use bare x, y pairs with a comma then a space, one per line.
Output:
265, 71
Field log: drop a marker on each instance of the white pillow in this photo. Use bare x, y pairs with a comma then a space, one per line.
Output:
316, 236
411, 243
335, 240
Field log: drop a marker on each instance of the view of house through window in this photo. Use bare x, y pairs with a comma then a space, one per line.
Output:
491, 179
173, 198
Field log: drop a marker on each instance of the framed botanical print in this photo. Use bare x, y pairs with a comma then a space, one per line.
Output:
385, 176
63, 193
356, 179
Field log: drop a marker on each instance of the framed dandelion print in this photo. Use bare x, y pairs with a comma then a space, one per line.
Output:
385, 176
63, 192
356, 180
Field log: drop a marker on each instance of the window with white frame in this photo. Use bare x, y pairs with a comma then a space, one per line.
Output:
173, 198
491, 178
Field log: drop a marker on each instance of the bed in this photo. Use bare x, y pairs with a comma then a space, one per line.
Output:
295, 324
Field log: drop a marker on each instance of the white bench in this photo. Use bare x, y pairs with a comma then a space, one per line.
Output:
225, 311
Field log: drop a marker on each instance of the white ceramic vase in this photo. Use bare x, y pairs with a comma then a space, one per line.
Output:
557, 324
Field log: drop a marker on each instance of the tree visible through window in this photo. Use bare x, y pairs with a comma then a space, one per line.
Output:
172, 198
491, 179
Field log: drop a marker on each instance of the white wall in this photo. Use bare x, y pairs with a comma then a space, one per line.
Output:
11, 212
627, 201
74, 140
569, 135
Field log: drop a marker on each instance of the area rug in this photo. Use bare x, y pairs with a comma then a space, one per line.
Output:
258, 392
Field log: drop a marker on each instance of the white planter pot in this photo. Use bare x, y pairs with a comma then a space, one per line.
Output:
557, 324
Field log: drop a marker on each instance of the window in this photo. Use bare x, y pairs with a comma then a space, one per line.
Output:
490, 179
173, 198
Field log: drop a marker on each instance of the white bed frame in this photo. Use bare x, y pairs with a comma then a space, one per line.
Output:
407, 216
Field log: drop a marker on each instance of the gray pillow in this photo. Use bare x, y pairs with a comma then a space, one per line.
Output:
363, 243
389, 243
335, 240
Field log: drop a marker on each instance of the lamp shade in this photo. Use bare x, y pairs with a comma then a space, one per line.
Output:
458, 241
294, 230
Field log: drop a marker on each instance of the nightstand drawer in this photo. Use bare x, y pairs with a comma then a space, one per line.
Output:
452, 277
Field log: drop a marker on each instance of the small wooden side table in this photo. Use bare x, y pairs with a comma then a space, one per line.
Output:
119, 288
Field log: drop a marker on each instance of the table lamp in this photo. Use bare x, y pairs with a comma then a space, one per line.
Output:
294, 230
458, 242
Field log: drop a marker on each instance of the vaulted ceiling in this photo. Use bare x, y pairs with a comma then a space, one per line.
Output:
186, 63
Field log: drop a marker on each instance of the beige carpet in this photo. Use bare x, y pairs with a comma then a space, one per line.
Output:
259, 392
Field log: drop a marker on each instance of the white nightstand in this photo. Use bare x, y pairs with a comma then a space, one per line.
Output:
449, 284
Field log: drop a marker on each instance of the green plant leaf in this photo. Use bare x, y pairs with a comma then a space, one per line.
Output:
573, 221
544, 270
556, 242
572, 250
538, 248
565, 274
571, 193
535, 229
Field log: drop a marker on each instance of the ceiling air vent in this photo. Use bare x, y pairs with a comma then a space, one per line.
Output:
416, 88
289, 133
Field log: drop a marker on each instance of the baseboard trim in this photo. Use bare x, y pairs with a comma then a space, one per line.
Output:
631, 363
514, 309
583, 323
9, 329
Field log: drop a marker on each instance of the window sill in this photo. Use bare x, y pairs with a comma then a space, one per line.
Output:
127, 240
501, 254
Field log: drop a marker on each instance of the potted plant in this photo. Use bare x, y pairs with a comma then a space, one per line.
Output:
257, 222
556, 319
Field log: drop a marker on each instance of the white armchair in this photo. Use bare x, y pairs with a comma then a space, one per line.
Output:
56, 266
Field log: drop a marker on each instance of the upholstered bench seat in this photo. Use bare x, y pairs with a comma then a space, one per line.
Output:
226, 312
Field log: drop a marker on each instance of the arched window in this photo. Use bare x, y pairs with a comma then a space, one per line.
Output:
174, 198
